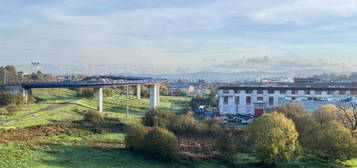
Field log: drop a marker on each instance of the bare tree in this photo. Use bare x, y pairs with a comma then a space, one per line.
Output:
347, 112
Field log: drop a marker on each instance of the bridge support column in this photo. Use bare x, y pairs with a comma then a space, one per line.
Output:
100, 99
25, 95
138, 91
154, 96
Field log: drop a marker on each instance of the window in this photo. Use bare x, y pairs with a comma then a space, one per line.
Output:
330, 92
318, 92
237, 100
248, 100
271, 91
237, 91
260, 98
307, 92
259, 91
225, 91
248, 91
225, 100
342, 92
271, 101
293, 91
293, 98
282, 91
354, 92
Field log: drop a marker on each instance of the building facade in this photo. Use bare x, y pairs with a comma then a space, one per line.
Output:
185, 88
261, 99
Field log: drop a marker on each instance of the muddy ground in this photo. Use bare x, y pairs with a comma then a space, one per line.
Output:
72, 128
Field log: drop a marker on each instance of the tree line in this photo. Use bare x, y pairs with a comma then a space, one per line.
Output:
285, 135
336, 77
9, 74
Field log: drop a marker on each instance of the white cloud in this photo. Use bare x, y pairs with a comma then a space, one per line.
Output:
306, 11
163, 38
276, 64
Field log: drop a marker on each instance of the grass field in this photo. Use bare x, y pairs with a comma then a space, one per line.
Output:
95, 149
113, 106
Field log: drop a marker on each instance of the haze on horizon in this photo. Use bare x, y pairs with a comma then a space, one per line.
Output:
179, 36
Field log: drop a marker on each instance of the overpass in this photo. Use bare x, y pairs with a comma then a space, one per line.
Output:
25, 88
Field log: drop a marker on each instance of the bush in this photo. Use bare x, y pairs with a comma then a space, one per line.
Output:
11, 110
227, 145
158, 118
135, 137
183, 124
211, 127
109, 92
161, 144
304, 121
86, 92
326, 114
291, 111
333, 141
94, 117
273, 138
6, 98
173, 122
77, 110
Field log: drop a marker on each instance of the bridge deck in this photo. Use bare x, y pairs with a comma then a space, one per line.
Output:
87, 84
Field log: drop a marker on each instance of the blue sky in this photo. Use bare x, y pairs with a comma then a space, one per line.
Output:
177, 36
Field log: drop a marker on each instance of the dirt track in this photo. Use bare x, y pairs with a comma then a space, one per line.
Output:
50, 107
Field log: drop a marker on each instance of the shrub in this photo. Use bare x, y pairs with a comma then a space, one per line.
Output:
326, 114
149, 118
161, 144
183, 124
77, 110
304, 121
211, 127
94, 117
158, 118
290, 111
273, 138
12, 110
227, 145
6, 98
86, 92
109, 92
333, 141
135, 137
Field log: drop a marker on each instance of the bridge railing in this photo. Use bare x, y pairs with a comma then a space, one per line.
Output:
90, 83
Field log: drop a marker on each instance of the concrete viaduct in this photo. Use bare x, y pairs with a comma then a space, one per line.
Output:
25, 88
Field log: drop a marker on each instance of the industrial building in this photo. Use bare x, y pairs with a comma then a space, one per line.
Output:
257, 100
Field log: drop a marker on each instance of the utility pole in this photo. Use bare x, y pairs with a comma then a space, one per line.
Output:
127, 94
4, 80
127, 101
172, 100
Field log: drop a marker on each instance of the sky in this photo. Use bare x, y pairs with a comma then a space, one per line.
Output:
179, 36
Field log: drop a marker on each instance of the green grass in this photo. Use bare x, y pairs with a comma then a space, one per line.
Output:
350, 163
64, 151
90, 151
113, 106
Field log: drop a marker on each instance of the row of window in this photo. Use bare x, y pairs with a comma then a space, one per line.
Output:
307, 92
248, 100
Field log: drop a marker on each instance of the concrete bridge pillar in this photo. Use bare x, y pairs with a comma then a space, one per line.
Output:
138, 91
25, 96
100, 99
154, 96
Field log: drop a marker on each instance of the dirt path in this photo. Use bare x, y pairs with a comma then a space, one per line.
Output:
50, 107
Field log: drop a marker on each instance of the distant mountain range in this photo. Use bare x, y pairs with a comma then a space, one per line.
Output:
207, 75
238, 75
